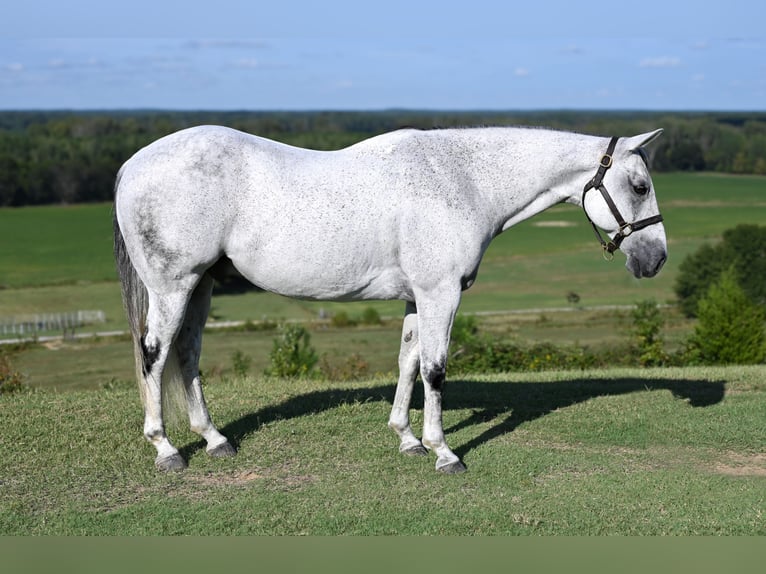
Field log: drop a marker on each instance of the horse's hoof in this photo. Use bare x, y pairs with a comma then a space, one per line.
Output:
417, 450
222, 451
172, 463
455, 467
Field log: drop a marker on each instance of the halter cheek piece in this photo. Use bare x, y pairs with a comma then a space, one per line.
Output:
625, 228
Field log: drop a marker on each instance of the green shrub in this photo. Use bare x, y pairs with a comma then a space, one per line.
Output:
472, 352
11, 380
647, 324
370, 316
475, 352
292, 355
342, 319
730, 328
241, 363
743, 247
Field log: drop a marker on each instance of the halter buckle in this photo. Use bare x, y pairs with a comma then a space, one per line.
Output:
626, 229
606, 161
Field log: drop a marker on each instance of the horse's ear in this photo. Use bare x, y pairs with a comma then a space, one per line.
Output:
640, 141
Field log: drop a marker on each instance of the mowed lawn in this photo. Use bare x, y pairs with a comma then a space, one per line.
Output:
628, 452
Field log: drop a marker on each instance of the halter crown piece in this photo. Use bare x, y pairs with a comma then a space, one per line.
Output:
625, 228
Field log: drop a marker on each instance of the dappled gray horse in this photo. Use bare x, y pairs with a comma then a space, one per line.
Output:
407, 215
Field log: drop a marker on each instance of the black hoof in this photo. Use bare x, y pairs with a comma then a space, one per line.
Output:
418, 450
222, 451
173, 463
452, 468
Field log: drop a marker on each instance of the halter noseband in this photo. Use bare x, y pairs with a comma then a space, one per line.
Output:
625, 228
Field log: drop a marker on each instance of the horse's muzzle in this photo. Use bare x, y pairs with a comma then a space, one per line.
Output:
646, 266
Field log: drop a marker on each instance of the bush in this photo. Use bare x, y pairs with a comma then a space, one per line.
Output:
744, 247
292, 355
474, 352
11, 380
647, 324
342, 319
241, 363
370, 316
730, 328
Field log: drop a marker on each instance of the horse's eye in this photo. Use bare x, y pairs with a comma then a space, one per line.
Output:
641, 189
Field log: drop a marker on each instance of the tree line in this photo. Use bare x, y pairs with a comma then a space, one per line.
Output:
73, 157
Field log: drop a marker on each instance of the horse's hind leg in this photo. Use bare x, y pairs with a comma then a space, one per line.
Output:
189, 345
164, 317
409, 364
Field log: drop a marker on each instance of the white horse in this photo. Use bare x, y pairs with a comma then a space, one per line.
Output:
406, 215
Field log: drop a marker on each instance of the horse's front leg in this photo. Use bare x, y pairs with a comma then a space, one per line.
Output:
436, 313
409, 364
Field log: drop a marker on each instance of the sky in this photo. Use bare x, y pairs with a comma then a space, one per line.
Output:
344, 55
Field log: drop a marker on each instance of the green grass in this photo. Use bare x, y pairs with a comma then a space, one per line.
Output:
55, 245
631, 452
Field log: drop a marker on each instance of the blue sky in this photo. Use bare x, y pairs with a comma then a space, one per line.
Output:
480, 54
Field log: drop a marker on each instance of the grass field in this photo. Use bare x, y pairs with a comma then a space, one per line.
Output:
630, 452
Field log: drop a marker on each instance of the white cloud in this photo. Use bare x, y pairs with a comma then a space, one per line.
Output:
521, 72
15, 67
660, 62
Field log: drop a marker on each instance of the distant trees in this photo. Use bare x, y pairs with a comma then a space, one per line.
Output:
62, 157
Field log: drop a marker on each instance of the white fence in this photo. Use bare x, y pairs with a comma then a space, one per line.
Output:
31, 324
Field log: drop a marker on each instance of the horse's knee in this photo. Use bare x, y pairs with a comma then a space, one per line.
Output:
435, 373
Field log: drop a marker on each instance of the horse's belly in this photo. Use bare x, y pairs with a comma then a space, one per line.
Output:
325, 282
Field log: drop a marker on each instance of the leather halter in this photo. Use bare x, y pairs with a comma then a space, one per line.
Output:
625, 228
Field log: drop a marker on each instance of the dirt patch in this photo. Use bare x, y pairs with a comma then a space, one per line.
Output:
53, 345
282, 475
735, 464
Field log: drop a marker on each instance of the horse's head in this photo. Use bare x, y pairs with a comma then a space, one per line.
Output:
620, 199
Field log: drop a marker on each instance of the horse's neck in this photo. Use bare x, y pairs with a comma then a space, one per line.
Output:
521, 172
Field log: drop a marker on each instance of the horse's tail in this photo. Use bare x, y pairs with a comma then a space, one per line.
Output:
135, 300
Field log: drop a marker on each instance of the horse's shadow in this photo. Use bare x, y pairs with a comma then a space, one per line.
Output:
512, 403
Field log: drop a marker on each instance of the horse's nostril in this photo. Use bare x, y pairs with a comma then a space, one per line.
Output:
660, 263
